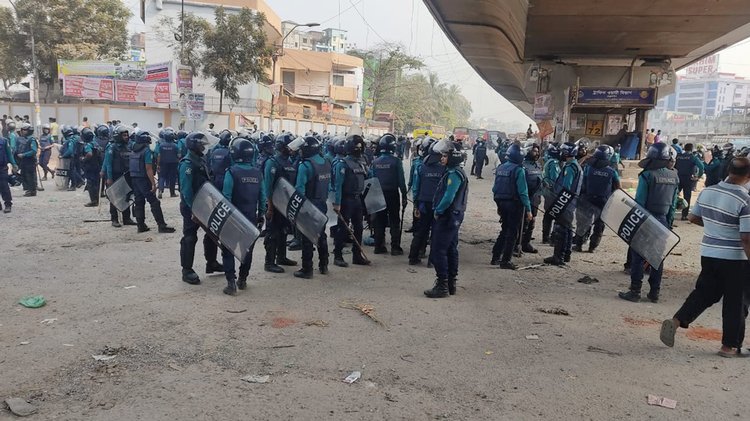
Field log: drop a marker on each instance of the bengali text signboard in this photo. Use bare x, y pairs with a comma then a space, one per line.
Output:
615, 97
88, 87
148, 92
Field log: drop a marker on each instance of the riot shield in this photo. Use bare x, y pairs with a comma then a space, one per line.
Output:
302, 213
373, 196
638, 228
223, 221
560, 207
120, 194
587, 213
62, 173
333, 218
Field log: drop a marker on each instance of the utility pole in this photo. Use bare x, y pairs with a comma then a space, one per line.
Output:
34, 85
182, 31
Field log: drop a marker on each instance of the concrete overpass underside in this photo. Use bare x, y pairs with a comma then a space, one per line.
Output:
502, 39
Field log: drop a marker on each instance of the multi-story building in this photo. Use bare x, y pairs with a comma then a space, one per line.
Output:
328, 40
707, 97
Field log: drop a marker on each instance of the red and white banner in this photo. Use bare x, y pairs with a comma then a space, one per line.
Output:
159, 72
88, 87
149, 92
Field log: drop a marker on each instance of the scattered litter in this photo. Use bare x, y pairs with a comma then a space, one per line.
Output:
588, 280
67, 245
130, 287
675, 254
588, 261
531, 267
411, 270
532, 337
236, 311
282, 346
406, 358
554, 310
34, 301
68, 345
174, 367
256, 379
488, 352
48, 321
602, 351
20, 407
103, 357
366, 309
318, 323
726, 389
24, 343
353, 377
148, 239
96, 220
663, 402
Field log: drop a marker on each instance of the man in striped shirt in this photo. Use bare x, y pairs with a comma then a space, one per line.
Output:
723, 210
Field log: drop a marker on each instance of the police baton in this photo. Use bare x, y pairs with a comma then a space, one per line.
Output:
351, 232
39, 177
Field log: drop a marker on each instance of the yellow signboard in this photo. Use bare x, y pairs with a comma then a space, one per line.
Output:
595, 128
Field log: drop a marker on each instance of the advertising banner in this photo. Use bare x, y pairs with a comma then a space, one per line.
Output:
184, 80
149, 92
159, 72
127, 70
88, 87
194, 106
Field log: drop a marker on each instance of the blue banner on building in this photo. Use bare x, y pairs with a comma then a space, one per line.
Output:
614, 97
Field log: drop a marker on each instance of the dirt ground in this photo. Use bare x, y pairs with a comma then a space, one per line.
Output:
180, 350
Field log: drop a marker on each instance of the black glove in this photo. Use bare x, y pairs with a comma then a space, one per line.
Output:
259, 223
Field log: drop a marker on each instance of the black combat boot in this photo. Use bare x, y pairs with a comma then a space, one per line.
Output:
653, 296
189, 276
159, 218
439, 290
158, 195
128, 221
594, 243
142, 227
173, 194
632, 295
214, 266
304, 273
7, 208
231, 288
165, 229
396, 250
359, 259
508, 265
281, 258
380, 250
271, 249
339, 261
116, 223
452, 284
557, 256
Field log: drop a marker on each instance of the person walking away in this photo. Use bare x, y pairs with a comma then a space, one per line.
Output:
550, 173
45, 151
689, 169
313, 181
193, 173
416, 163
168, 157
599, 181
425, 185
570, 179
723, 211
6, 157
480, 158
142, 178
350, 175
389, 170
26, 151
449, 206
656, 192
676, 146
92, 165
116, 165
244, 188
513, 205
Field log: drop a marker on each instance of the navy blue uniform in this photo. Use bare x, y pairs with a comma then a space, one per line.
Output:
92, 165
426, 180
169, 156
45, 145
449, 205
193, 173
26, 149
599, 181
512, 199
141, 158
278, 226
350, 176
313, 181
480, 158
6, 157
390, 172
689, 169
116, 165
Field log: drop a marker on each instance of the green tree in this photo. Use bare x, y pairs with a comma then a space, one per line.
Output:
13, 63
236, 52
73, 30
191, 52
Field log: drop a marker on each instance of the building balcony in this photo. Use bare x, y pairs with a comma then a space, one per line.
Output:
343, 93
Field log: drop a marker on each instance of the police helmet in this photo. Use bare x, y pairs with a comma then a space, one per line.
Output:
514, 154
339, 147
102, 131
11, 124
28, 128
583, 147
143, 138
182, 134
66, 131
311, 147
553, 150
242, 150
265, 144
168, 134
283, 141
568, 150
225, 137
75, 130
196, 142
387, 144
45, 127
727, 150
354, 145
87, 134
659, 151
425, 149
443, 147
604, 153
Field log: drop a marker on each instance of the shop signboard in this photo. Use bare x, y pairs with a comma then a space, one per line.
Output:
159, 72
615, 97
88, 87
126, 70
148, 92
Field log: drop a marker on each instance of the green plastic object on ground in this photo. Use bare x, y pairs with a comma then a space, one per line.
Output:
35, 301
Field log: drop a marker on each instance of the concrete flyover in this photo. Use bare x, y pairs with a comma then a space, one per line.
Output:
502, 39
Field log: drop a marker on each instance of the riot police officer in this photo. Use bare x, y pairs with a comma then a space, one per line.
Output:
689, 169
6, 157
141, 166
350, 182
389, 170
513, 205
534, 184
217, 163
549, 176
168, 157
599, 181
449, 205
570, 181
426, 180
313, 181
116, 165
45, 146
193, 173
716, 170
243, 186
92, 164
70, 151
275, 167
26, 150
657, 190
480, 157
